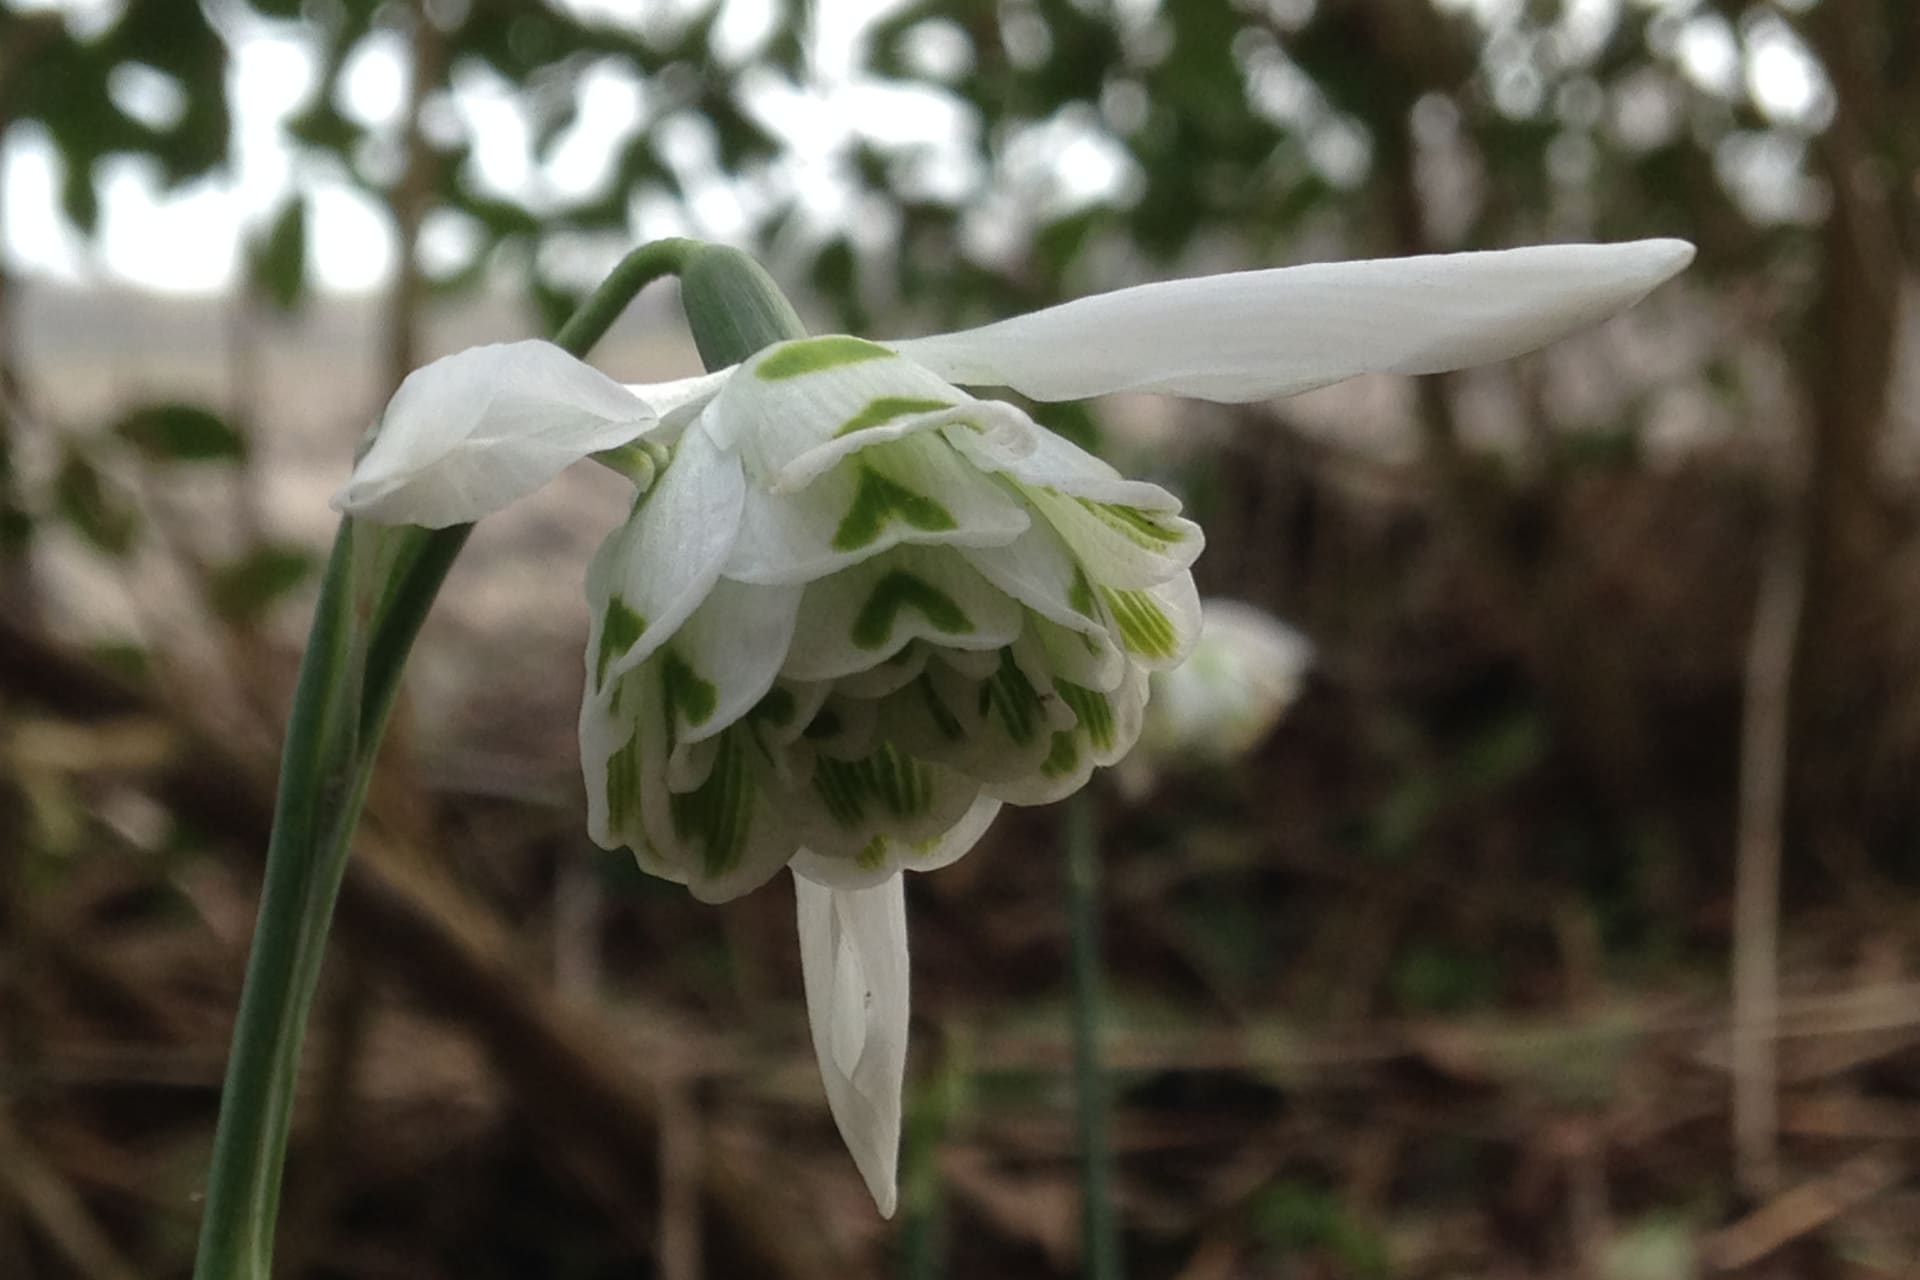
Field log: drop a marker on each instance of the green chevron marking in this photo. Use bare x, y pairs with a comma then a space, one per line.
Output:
1064, 757
682, 687
878, 500
901, 589
810, 355
619, 631
884, 409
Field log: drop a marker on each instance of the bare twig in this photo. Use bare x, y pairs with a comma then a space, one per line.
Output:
1767, 719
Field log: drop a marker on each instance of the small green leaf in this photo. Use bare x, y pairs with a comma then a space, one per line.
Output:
181, 433
94, 506
244, 589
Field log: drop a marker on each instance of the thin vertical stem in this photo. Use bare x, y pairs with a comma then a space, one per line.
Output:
1099, 1229
1764, 749
378, 587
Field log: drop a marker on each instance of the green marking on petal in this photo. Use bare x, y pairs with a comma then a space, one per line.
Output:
899, 784
1093, 711
620, 630
684, 688
810, 355
1140, 527
884, 409
878, 500
1064, 756
943, 719
873, 854
837, 783
901, 589
1144, 628
1080, 595
715, 816
1013, 697
623, 789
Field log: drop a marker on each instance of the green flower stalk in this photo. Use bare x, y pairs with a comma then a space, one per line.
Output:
379, 583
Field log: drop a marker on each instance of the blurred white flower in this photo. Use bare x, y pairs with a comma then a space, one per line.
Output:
859, 609
1245, 670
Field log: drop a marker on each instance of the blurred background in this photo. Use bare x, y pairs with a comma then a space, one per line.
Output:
1567, 925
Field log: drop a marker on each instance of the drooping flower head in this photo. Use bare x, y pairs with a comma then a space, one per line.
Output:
889, 608
856, 609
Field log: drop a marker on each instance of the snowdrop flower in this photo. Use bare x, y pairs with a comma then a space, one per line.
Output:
1244, 672
858, 609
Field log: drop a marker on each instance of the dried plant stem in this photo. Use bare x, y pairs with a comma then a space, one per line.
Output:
1099, 1229
1766, 720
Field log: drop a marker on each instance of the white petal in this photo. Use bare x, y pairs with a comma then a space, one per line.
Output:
853, 962
678, 401
1156, 625
822, 397
1255, 334
1039, 571
466, 435
931, 855
1049, 460
722, 834
863, 810
1121, 545
993, 730
860, 617
912, 490
1108, 725
620, 738
736, 642
654, 570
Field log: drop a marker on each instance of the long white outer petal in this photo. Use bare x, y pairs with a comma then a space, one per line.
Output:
853, 960
1255, 334
468, 434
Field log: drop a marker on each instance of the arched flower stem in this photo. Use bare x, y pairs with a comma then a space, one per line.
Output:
378, 586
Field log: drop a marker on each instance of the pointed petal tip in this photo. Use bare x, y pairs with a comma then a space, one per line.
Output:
1662, 259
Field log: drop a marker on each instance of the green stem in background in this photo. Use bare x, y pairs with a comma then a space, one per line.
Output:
936, 1107
1099, 1228
379, 585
